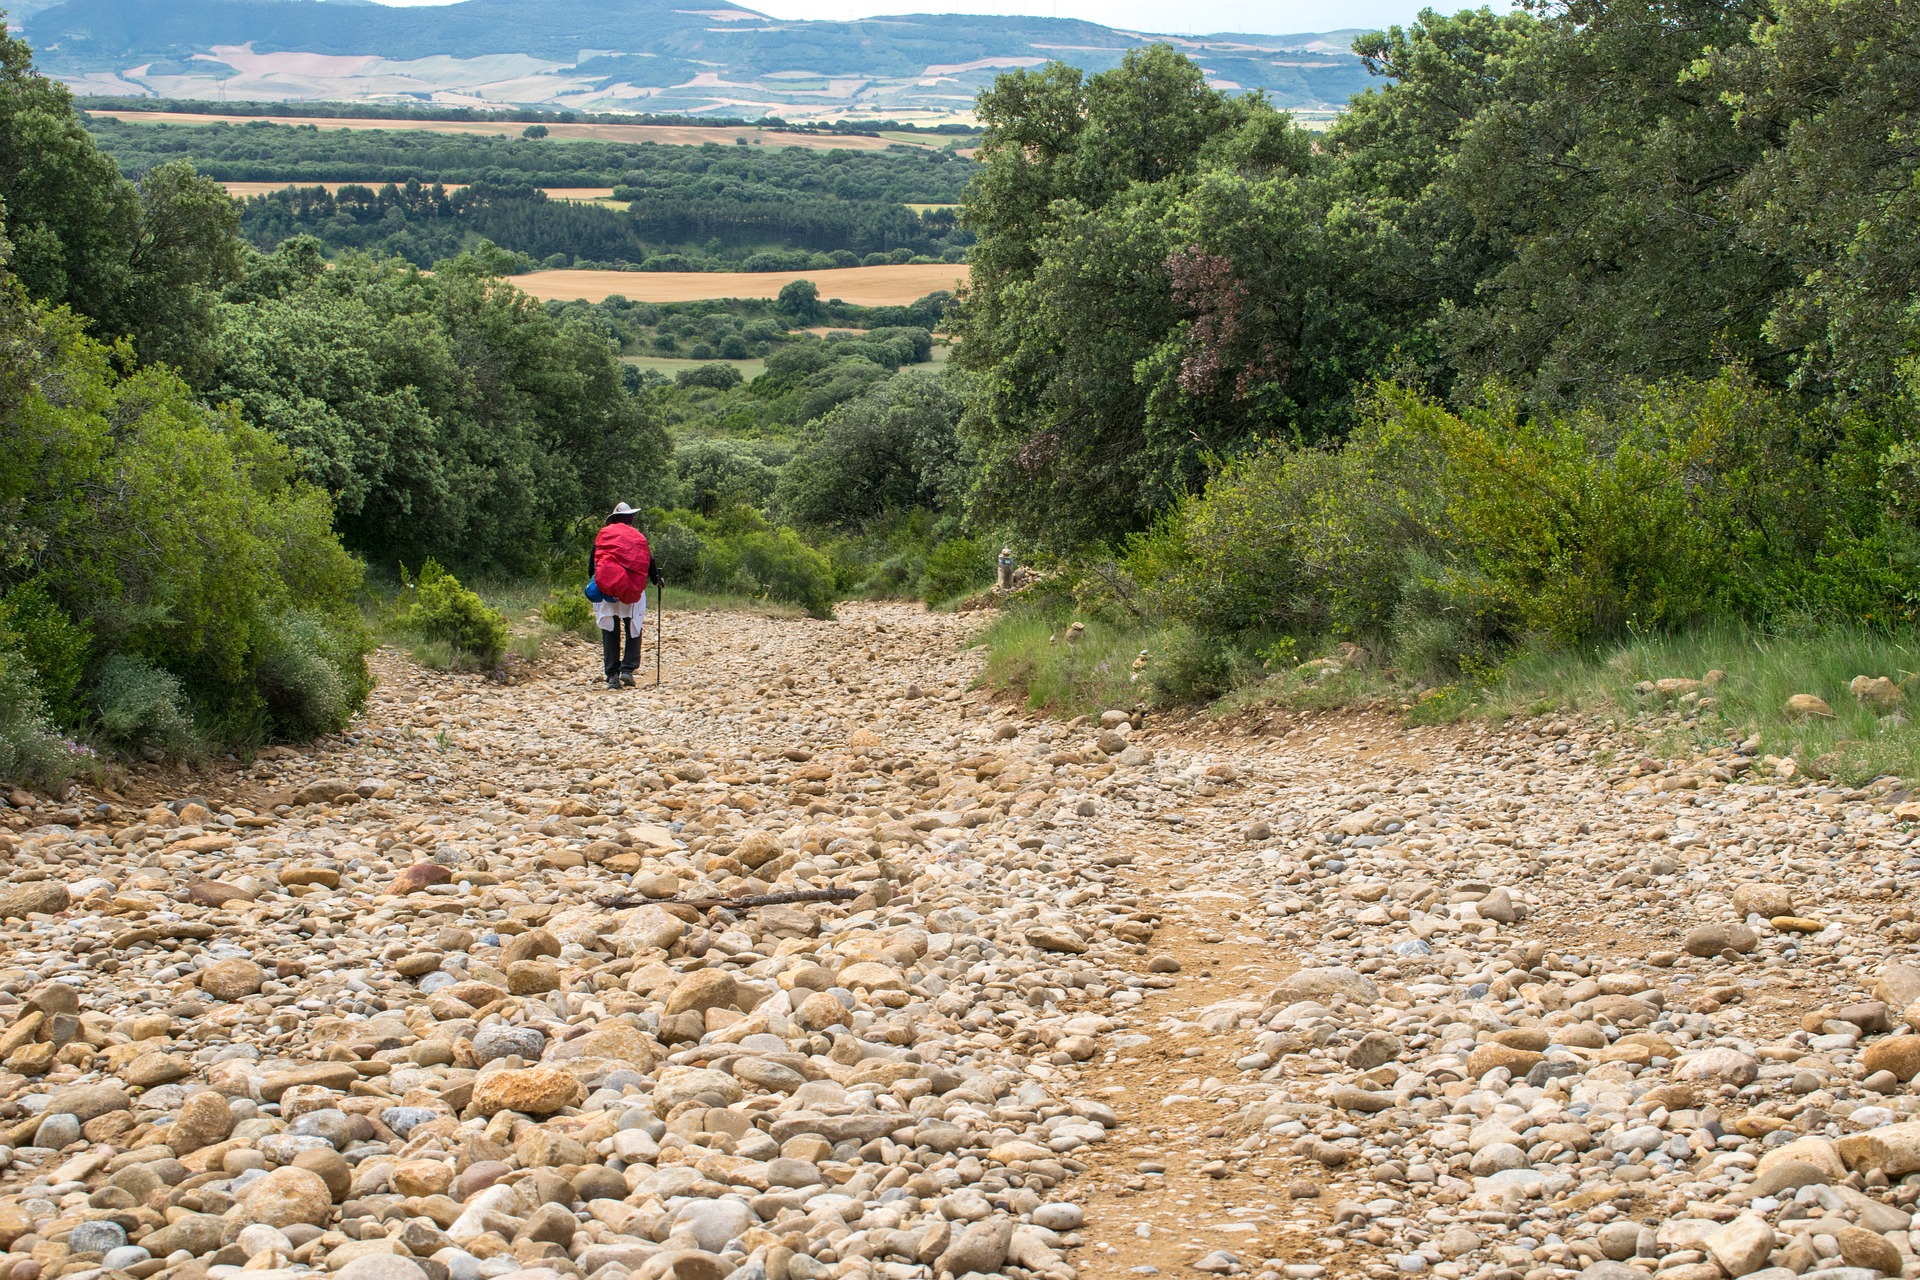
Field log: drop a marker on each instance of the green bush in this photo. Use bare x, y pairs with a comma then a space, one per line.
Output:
143, 708
165, 531
445, 611
735, 551
723, 473
52, 644
567, 609
892, 447
788, 569
310, 674
715, 377
957, 566
1188, 666
31, 753
1455, 534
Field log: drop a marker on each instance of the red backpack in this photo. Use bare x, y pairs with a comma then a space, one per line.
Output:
620, 560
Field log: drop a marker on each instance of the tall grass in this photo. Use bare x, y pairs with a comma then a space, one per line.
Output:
1031, 654
1762, 670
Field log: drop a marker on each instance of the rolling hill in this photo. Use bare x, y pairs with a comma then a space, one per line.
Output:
618, 55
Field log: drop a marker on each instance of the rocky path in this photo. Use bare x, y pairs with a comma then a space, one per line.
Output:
452, 997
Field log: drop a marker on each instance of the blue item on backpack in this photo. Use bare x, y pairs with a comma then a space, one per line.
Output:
593, 591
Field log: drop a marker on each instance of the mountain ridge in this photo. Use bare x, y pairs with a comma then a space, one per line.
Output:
620, 55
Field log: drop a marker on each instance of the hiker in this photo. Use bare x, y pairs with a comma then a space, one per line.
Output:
621, 566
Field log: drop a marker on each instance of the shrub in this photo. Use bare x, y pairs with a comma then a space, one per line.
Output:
788, 569
567, 609
310, 674
143, 708
717, 377
723, 473
1189, 666
164, 530
52, 644
735, 550
31, 753
892, 447
443, 610
956, 567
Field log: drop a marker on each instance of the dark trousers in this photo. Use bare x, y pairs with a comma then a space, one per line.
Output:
610, 649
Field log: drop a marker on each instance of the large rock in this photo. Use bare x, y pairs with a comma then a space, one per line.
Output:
1860, 1247
981, 1247
1892, 1149
197, 1233
1056, 938
503, 1040
232, 979
1898, 985
712, 1223
42, 897
648, 928
820, 1011
1720, 1066
1806, 706
202, 1120
326, 1075
86, 1102
381, 1266
1815, 1151
287, 1196
1493, 1055
702, 990
1376, 1048
1763, 900
155, 1068
757, 850
1323, 984
684, 1084
615, 1041
1742, 1245
1713, 939
533, 1091
1898, 1054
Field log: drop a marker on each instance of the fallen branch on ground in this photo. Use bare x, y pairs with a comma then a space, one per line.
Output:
734, 904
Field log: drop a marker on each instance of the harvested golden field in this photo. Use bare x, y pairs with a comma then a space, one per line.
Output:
862, 286
689, 135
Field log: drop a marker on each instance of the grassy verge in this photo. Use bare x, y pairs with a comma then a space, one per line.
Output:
1745, 704
1032, 656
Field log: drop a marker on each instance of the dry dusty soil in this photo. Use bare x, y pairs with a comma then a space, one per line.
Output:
452, 996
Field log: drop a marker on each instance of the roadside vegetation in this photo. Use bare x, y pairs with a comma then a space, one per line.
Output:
1428, 412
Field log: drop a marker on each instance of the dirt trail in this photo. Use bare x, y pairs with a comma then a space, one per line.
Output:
1337, 997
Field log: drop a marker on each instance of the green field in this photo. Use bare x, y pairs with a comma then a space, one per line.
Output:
749, 369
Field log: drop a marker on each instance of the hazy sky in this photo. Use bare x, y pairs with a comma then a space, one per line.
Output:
1179, 17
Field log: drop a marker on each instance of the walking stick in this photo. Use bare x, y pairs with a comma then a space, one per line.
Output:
659, 619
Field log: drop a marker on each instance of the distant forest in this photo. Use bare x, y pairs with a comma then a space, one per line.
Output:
261, 152
691, 208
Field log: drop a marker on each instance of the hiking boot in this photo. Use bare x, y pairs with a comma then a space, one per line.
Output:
626, 678
613, 684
